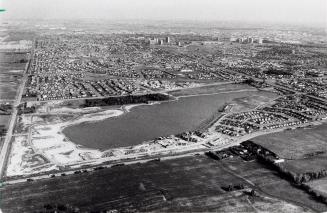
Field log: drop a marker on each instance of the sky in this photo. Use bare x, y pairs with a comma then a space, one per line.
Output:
276, 11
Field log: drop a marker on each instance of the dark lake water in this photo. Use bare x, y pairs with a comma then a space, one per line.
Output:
147, 122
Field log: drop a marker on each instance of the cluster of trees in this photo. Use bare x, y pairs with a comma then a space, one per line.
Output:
23, 60
23, 109
320, 197
256, 84
122, 100
5, 109
305, 177
187, 136
277, 51
266, 157
297, 178
60, 208
274, 71
232, 187
3, 130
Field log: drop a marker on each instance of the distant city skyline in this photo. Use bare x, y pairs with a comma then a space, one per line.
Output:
273, 11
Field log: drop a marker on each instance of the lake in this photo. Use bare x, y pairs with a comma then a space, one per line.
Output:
146, 122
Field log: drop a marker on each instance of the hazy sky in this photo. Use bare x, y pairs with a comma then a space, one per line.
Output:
290, 11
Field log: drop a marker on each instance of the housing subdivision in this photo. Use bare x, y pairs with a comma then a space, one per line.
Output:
79, 78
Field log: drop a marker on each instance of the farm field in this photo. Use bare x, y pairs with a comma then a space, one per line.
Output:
12, 66
268, 181
319, 186
17, 58
9, 67
303, 149
192, 183
302, 166
296, 144
8, 86
4, 120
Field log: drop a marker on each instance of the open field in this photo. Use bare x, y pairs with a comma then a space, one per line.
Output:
8, 67
252, 101
185, 184
238, 101
301, 166
2, 139
212, 89
8, 86
9, 57
295, 144
4, 120
319, 186
303, 149
16, 35
268, 181
12, 62
11, 67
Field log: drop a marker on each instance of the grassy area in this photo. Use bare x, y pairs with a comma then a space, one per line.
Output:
211, 89
10, 57
301, 166
7, 67
319, 186
8, 91
4, 120
192, 183
269, 182
252, 101
9, 81
16, 35
305, 153
295, 144
2, 139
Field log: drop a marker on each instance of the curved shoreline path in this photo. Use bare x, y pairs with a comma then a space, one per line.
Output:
6, 144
